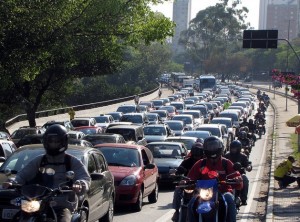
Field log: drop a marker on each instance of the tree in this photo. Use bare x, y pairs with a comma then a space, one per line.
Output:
44, 44
214, 31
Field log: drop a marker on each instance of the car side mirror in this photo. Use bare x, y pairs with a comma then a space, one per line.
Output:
2, 159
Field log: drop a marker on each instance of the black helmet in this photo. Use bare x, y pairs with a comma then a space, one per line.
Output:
55, 140
197, 150
243, 135
244, 119
235, 147
213, 147
251, 121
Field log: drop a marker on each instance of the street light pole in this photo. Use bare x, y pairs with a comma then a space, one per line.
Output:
287, 64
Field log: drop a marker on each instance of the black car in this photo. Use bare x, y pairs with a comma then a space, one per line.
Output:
104, 138
100, 197
30, 139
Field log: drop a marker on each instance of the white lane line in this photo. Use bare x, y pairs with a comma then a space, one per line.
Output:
251, 196
166, 217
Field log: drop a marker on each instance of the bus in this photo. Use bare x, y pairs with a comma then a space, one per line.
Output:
207, 82
177, 79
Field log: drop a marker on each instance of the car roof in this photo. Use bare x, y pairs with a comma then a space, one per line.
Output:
119, 145
133, 126
165, 142
210, 125
182, 137
40, 146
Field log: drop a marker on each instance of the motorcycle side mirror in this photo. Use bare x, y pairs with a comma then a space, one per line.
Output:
70, 175
237, 166
7, 172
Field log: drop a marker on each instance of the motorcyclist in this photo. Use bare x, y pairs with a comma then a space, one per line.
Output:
235, 155
244, 139
55, 141
252, 127
262, 107
196, 154
260, 120
213, 150
258, 93
244, 123
250, 136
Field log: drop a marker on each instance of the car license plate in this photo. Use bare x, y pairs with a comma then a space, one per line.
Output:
9, 213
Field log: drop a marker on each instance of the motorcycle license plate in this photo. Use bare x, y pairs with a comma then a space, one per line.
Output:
9, 213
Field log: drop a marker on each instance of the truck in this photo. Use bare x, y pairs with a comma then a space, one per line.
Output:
188, 83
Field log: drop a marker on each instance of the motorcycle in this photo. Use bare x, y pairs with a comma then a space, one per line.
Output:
37, 202
260, 130
209, 204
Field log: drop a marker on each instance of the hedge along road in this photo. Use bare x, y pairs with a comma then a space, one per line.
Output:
88, 113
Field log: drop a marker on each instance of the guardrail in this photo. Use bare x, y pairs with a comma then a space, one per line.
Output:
63, 110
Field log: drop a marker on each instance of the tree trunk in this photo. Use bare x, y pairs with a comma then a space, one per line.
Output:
30, 110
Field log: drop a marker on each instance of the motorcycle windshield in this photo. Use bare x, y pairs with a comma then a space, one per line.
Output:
34, 191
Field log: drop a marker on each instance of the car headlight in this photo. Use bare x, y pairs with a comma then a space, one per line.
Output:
129, 181
206, 194
30, 206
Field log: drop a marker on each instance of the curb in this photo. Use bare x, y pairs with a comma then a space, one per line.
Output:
270, 200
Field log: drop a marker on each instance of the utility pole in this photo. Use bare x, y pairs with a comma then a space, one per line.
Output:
287, 63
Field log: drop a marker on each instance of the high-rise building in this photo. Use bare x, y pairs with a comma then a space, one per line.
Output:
281, 15
181, 17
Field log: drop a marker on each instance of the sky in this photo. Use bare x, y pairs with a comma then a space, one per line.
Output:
197, 5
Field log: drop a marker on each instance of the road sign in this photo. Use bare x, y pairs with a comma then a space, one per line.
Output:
260, 39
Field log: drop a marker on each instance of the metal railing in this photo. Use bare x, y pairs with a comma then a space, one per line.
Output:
63, 110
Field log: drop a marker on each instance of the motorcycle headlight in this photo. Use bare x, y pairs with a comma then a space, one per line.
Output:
129, 181
30, 206
206, 193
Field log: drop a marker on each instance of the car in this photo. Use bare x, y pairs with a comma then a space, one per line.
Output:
149, 104
115, 115
103, 121
187, 119
127, 108
100, 202
198, 117
154, 118
218, 130
204, 111
79, 142
5, 136
132, 133
200, 134
89, 130
186, 140
167, 156
135, 173
228, 122
65, 123
177, 126
30, 139
178, 105
143, 108
83, 121
172, 111
25, 130
164, 115
136, 118
6, 149
104, 138
158, 132
234, 115
158, 103
74, 134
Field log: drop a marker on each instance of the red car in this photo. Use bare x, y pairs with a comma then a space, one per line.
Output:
135, 173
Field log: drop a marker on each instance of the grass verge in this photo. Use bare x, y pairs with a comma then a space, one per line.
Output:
294, 142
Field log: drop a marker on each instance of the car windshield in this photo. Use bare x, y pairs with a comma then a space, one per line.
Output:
186, 120
233, 116
21, 158
128, 134
132, 118
152, 117
89, 131
161, 131
175, 125
161, 114
198, 134
165, 151
168, 108
117, 156
187, 142
214, 131
177, 105
78, 123
158, 103
126, 109
195, 114
116, 116
225, 122
18, 134
99, 140
101, 119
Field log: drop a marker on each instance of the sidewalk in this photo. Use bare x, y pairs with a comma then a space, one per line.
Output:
284, 204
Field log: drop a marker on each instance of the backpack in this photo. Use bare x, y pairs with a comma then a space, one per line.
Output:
224, 164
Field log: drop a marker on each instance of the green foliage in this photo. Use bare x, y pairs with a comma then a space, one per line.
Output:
44, 44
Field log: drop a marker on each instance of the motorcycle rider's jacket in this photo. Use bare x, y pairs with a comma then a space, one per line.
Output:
244, 142
38, 172
252, 127
238, 157
203, 173
187, 164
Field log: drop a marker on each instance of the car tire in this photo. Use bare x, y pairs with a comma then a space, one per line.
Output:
153, 197
139, 202
108, 217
